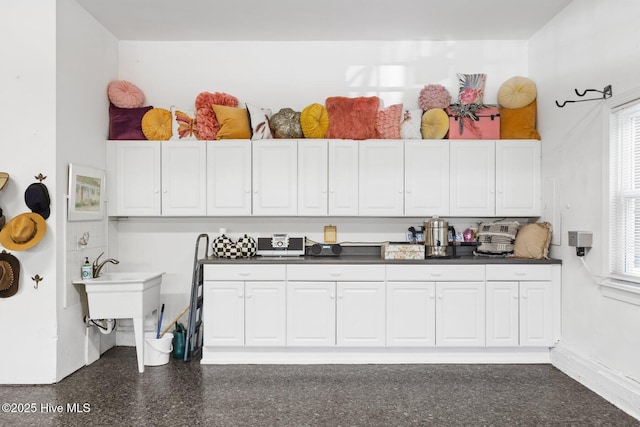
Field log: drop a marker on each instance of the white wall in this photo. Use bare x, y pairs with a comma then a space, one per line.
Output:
86, 62
287, 74
588, 45
28, 147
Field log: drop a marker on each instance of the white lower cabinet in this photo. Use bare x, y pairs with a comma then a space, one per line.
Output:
411, 314
311, 314
460, 314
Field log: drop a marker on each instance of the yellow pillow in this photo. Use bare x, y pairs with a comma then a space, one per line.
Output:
156, 124
234, 122
314, 121
517, 92
435, 124
532, 241
519, 123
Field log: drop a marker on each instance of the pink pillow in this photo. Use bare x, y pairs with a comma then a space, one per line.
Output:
388, 122
124, 94
206, 121
352, 118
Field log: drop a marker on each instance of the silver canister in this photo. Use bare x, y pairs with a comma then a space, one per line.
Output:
436, 237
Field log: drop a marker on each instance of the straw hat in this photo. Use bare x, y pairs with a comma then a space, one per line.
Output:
9, 274
4, 177
23, 231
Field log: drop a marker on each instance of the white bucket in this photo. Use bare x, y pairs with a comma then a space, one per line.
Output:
157, 350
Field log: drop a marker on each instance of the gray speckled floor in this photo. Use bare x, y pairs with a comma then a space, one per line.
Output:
182, 394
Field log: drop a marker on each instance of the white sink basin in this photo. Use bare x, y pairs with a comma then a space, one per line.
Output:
122, 278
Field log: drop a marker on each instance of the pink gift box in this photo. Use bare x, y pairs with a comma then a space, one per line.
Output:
486, 127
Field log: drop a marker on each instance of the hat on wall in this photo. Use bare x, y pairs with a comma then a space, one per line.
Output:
36, 196
23, 231
4, 177
9, 274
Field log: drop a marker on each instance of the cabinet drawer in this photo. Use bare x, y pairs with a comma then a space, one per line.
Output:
435, 273
518, 272
336, 272
244, 272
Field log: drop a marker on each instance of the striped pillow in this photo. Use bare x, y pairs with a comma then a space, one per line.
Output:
497, 238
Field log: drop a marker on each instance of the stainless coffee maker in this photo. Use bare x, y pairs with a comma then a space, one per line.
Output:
436, 237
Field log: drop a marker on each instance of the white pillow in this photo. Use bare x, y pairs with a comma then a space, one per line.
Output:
259, 118
411, 121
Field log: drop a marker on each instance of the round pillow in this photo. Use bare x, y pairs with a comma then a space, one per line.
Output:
247, 246
435, 124
156, 124
434, 96
314, 121
286, 124
517, 92
221, 245
125, 94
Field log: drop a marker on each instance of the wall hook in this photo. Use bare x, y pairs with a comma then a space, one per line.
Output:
607, 92
37, 279
40, 177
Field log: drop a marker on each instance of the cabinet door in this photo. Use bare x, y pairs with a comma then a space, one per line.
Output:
360, 314
460, 314
265, 314
137, 178
275, 177
312, 177
229, 178
472, 174
518, 178
184, 178
426, 178
411, 314
536, 314
223, 313
311, 314
502, 314
381, 178
343, 178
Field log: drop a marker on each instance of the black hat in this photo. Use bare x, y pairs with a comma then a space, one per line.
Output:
37, 199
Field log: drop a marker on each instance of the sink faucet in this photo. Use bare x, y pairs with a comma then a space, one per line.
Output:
97, 268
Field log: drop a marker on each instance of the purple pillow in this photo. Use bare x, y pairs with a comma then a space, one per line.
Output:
126, 123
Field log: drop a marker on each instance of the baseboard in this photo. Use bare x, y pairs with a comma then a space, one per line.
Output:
611, 385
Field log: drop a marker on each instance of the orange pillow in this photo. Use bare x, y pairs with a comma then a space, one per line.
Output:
352, 118
519, 123
234, 122
156, 124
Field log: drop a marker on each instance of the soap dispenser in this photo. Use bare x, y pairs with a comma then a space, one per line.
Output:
87, 272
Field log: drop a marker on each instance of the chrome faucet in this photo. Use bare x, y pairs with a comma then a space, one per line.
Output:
97, 268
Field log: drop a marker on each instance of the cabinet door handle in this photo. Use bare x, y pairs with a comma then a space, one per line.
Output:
331, 191
332, 295
436, 274
515, 296
520, 274
524, 296
156, 191
340, 295
248, 295
431, 296
440, 296
164, 191
240, 295
336, 273
244, 273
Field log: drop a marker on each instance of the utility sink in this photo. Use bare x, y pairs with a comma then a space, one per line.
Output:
124, 295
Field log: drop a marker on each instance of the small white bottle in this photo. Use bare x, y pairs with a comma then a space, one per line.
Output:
87, 272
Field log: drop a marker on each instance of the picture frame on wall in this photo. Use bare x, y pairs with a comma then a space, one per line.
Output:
86, 193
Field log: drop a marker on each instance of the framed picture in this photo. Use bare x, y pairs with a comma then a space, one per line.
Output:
86, 193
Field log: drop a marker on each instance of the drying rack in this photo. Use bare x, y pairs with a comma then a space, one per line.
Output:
193, 344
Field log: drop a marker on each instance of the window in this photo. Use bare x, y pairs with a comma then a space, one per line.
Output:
624, 193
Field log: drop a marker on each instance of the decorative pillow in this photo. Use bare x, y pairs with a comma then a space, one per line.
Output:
435, 124
314, 121
388, 122
286, 124
183, 124
156, 124
410, 124
497, 238
234, 122
125, 94
471, 88
434, 96
126, 123
517, 92
519, 123
259, 118
532, 241
206, 121
352, 118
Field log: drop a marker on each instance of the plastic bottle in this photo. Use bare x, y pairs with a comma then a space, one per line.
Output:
87, 273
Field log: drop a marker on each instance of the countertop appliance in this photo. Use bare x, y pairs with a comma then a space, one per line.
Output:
280, 245
436, 237
325, 249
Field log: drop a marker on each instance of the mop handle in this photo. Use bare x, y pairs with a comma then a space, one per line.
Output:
174, 321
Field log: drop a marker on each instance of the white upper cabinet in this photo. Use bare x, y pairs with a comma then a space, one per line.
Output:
343, 178
312, 177
518, 178
184, 178
426, 177
472, 174
381, 178
229, 177
275, 177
